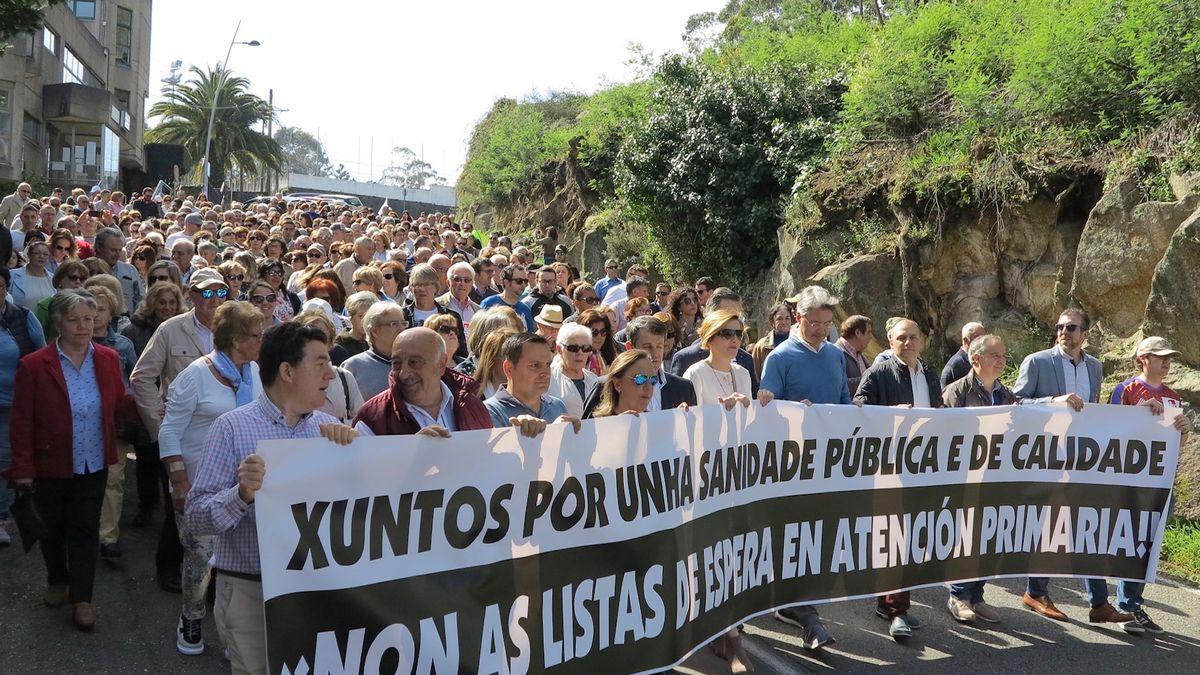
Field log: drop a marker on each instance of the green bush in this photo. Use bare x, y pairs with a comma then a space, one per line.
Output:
711, 168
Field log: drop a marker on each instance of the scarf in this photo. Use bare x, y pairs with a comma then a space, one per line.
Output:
243, 384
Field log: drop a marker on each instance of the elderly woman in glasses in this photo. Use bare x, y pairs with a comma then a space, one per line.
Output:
63, 440
287, 303
222, 380
570, 380
62, 247
32, 283
69, 275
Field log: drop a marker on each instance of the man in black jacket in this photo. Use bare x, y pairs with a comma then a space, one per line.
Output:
649, 333
900, 381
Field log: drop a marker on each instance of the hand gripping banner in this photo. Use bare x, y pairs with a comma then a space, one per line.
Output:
629, 545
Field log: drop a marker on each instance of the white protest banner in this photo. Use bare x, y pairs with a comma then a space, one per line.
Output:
638, 539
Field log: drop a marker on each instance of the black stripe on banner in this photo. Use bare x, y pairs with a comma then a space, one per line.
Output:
619, 604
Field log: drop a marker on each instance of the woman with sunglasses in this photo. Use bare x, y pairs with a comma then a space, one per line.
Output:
629, 385
263, 296
446, 326
32, 283
603, 346
235, 278
71, 274
62, 247
394, 281
287, 303
717, 378
684, 305
142, 258
570, 380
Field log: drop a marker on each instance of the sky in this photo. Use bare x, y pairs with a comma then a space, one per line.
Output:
370, 75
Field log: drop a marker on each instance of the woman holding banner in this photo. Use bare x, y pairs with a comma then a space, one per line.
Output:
629, 385
208, 388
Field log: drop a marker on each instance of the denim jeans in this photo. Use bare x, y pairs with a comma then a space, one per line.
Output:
1129, 593
6, 495
970, 592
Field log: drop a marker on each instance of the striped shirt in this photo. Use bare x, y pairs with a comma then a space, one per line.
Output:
214, 506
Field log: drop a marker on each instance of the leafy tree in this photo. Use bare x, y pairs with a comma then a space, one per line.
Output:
341, 173
236, 142
302, 152
409, 171
21, 16
712, 166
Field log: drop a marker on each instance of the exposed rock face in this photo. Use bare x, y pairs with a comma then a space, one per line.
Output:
1122, 243
1173, 309
868, 285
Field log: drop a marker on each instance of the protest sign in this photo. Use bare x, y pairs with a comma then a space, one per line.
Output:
628, 545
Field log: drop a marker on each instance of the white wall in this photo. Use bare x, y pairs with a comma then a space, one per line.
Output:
442, 195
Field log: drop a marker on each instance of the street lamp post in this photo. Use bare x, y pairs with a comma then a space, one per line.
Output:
212, 113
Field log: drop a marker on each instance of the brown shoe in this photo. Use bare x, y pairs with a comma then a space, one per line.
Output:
55, 595
1106, 613
1043, 606
85, 616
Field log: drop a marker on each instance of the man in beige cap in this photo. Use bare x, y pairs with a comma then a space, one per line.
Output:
548, 321
1153, 360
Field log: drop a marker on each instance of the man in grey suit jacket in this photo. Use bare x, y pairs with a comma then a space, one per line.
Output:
1065, 374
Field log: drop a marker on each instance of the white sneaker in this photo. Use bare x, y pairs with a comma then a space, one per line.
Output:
960, 609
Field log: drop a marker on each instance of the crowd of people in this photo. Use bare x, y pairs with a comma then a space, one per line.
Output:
183, 332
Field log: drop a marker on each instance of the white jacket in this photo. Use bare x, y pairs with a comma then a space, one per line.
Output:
562, 387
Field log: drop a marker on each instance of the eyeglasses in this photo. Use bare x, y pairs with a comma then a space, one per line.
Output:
823, 324
643, 380
399, 323
575, 349
210, 293
273, 272
1068, 327
260, 299
155, 279
730, 333
447, 330
461, 280
76, 278
235, 277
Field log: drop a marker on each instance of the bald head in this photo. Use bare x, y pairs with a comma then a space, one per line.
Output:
420, 340
418, 362
970, 331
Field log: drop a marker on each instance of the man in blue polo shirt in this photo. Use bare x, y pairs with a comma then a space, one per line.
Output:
522, 402
513, 281
808, 368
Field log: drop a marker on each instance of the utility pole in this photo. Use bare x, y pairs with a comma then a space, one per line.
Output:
270, 173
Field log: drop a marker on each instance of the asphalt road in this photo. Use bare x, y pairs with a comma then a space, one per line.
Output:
136, 630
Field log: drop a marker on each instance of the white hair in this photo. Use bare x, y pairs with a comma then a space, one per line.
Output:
460, 267
814, 297
373, 313
969, 328
980, 343
572, 330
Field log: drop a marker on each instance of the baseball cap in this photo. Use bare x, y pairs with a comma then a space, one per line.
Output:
1157, 346
206, 277
194, 219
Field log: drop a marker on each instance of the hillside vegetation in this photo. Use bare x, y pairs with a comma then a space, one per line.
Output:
785, 113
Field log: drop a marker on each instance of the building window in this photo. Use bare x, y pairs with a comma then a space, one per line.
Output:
50, 40
32, 129
110, 158
75, 72
84, 9
120, 108
6, 103
124, 36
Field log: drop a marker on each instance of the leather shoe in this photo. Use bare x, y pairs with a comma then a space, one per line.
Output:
1043, 606
85, 616
55, 595
1106, 613
170, 582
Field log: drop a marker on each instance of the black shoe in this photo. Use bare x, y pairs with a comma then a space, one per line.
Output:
110, 551
170, 582
142, 519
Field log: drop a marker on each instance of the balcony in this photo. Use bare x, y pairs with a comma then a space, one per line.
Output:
76, 103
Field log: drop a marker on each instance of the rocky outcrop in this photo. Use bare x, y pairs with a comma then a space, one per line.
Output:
1174, 303
1123, 242
868, 285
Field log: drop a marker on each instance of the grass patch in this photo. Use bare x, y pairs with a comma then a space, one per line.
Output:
1181, 550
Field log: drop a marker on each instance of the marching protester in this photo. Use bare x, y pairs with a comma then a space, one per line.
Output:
649, 335
628, 387
222, 380
63, 430
523, 402
1064, 373
718, 379
570, 379
513, 281
979, 387
959, 364
382, 322
719, 299
900, 381
294, 371
22, 335
853, 337
781, 327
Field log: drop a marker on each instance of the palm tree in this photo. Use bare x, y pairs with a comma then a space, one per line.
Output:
235, 143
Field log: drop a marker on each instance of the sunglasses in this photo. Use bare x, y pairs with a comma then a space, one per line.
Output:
670, 336
446, 330
461, 280
662, 294
575, 349
389, 276
315, 254
600, 332
643, 380
260, 299
235, 277
1068, 327
76, 278
210, 293
590, 300
156, 279
730, 333
273, 272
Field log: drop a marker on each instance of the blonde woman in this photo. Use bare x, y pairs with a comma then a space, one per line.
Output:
717, 378
629, 385
489, 372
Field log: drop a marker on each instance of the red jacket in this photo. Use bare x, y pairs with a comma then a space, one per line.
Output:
41, 430
387, 415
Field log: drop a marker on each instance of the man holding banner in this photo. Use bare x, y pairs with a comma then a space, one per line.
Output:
294, 367
522, 402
